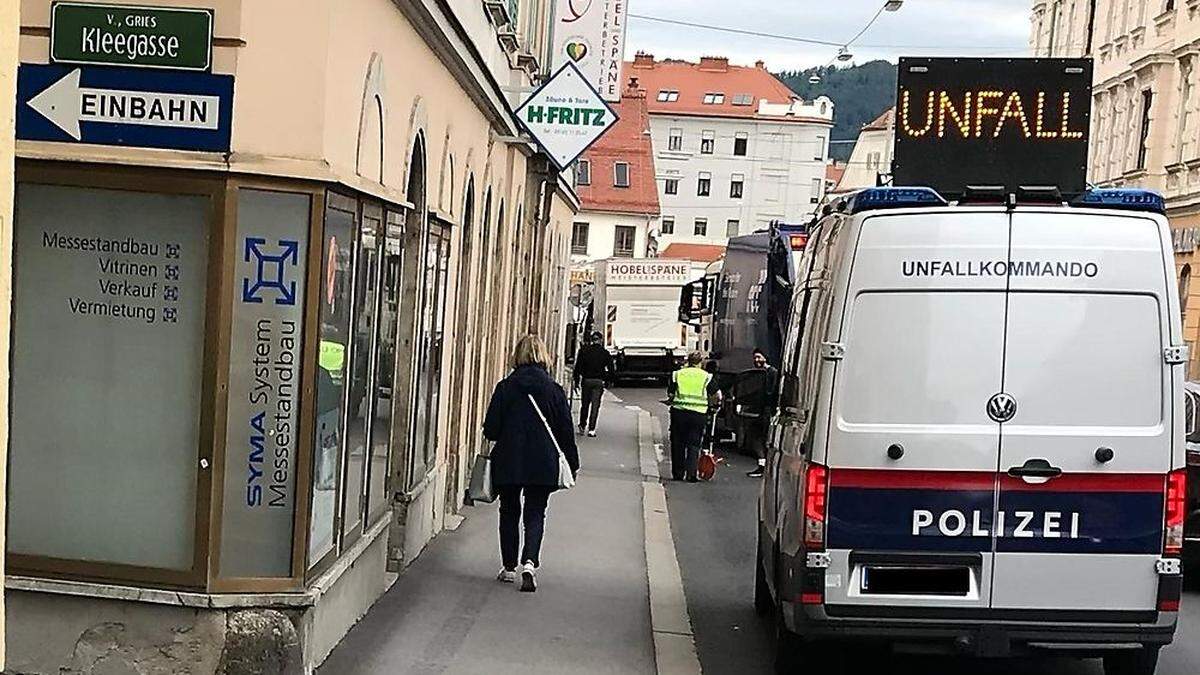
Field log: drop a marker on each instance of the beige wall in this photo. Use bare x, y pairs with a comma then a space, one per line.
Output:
8, 83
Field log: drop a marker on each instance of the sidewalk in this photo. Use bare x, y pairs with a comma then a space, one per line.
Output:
447, 614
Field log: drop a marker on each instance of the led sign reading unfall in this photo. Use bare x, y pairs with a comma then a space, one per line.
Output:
992, 122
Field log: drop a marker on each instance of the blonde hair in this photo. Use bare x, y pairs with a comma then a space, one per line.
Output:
531, 350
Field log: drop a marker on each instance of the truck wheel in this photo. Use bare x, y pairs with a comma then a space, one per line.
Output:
1143, 661
763, 603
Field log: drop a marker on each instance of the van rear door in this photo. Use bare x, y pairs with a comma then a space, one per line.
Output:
1083, 458
911, 451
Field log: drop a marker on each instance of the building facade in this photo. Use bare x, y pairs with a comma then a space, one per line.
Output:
615, 181
871, 158
252, 371
1145, 123
734, 148
8, 85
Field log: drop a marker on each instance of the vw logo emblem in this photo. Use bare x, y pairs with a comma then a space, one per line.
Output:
1002, 407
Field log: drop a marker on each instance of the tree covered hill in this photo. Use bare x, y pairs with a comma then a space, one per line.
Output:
860, 92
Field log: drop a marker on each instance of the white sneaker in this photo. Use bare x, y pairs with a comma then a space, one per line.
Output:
592, 433
506, 576
528, 578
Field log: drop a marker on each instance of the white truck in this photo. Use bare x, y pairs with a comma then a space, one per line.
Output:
637, 312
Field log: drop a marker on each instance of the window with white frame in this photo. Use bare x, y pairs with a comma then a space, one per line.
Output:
668, 95
819, 150
621, 174
579, 239
740, 142
671, 186
737, 183
700, 227
817, 184
624, 240
704, 184
732, 228
675, 140
668, 225
714, 98
708, 141
583, 172
743, 99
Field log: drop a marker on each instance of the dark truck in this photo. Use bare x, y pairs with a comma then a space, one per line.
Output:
742, 307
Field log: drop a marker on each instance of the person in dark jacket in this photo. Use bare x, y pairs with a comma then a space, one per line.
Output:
593, 369
525, 455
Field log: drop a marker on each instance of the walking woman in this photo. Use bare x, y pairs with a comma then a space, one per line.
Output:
529, 419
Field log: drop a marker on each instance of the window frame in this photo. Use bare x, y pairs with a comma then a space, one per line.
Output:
670, 186
667, 225
704, 184
700, 227
578, 248
741, 141
737, 186
675, 140
618, 232
617, 166
583, 172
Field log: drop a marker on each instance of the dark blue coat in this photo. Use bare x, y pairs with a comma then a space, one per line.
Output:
524, 455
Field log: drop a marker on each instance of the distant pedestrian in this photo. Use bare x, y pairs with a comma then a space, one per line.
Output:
593, 370
757, 410
525, 457
689, 391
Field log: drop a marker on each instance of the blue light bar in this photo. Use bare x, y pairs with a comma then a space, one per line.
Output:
872, 199
1128, 199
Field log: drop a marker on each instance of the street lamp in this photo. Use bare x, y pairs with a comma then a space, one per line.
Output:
893, 5
844, 54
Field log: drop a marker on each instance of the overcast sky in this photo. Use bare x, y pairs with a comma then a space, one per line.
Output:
919, 28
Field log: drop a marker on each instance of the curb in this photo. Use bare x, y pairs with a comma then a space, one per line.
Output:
674, 643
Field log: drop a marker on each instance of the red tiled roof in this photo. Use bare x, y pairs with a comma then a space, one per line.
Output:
696, 252
627, 141
711, 75
834, 172
882, 122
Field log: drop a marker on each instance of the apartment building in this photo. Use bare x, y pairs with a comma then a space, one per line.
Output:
1145, 124
734, 148
363, 215
615, 180
872, 154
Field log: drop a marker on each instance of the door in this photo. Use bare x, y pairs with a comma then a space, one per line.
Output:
1084, 456
911, 450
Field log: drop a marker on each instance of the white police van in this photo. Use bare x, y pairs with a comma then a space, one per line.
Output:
980, 446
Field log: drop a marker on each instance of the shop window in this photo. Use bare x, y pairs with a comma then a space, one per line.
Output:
261, 443
109, 288
391, 257
333, 351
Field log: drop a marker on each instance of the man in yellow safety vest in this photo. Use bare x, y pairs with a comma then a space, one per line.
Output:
689, 391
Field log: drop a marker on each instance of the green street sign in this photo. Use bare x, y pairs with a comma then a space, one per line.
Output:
128, 35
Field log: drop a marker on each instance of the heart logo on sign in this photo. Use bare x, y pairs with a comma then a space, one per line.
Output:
576, 50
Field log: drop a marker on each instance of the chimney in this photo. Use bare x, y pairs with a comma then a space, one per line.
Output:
633, 89
760, 64
717, 64
643, 60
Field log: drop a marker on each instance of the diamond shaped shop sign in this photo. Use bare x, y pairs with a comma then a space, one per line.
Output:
566, 115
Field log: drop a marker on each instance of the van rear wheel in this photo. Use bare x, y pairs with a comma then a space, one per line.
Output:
763, 603
789, 648
1143, 661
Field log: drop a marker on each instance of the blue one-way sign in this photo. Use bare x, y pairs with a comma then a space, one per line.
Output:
125, 106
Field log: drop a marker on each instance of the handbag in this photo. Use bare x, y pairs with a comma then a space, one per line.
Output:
480, 488
566, 479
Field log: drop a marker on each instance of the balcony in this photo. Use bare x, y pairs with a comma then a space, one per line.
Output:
1165, 22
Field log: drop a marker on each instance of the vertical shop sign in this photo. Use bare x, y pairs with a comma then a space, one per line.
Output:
264, 384
591, 35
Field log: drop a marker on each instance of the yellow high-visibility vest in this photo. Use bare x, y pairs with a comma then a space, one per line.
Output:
691, 389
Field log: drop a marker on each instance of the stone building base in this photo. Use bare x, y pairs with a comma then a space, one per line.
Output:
74, 628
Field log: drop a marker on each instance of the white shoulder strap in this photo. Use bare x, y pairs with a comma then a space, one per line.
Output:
544, 422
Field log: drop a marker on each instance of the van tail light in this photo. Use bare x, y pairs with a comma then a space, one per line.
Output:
798, 241
816, 503
1176, 510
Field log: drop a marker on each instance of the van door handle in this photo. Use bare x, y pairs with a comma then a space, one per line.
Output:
1035, 468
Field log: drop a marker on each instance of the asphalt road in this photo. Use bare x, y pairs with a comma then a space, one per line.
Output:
713, 526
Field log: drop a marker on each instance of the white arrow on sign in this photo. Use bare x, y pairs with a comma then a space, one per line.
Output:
66, 104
